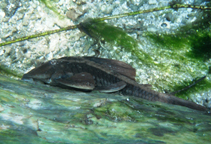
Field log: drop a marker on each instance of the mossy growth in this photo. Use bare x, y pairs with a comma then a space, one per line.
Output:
137, 110
203, 85
201, 47
189, 47
117, 111
199, 44
101, 31
8, 72
195, 35
188, 50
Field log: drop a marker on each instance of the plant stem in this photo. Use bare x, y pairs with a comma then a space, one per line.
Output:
176, 6
38, 35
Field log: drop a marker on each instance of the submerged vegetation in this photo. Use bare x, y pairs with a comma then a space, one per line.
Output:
8, 72
115, 36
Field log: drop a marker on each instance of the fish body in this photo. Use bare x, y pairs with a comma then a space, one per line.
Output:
104, 75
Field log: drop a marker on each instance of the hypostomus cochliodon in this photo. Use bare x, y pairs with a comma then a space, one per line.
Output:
104, 75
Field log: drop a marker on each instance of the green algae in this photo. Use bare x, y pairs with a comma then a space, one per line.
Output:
19, 136
197, 44
102, 31
198, 88
201, 47
164, 129
189, 49
46, 114
171, 41
8, 72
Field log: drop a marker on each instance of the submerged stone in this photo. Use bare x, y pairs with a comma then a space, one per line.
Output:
44, 114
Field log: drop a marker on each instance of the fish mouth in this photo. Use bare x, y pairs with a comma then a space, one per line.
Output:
26, 77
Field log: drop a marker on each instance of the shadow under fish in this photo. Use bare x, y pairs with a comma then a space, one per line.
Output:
104, 75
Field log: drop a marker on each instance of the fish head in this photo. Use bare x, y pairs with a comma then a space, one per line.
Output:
43, 72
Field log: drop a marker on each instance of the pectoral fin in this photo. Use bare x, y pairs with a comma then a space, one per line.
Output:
82, 80
112, 88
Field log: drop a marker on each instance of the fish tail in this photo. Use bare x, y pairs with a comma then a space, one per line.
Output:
178, 101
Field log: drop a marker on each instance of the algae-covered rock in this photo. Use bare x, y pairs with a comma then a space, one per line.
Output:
38, 113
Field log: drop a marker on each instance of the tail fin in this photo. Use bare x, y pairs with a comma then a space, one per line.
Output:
189, 104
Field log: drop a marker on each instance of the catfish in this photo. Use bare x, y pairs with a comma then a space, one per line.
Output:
104, 75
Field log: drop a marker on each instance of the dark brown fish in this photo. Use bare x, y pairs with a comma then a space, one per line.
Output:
104, 75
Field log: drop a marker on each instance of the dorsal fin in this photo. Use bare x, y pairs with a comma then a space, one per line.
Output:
115, 65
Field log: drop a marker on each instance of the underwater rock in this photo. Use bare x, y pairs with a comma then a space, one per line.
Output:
44, 114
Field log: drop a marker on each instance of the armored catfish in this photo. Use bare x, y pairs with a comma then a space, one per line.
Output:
104, 75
